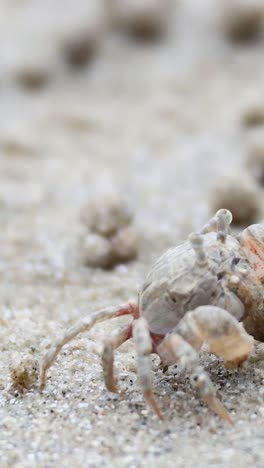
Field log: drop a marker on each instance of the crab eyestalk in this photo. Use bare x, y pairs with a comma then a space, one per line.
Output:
196, 241
224, 218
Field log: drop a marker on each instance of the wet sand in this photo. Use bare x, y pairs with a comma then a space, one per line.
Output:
160, 121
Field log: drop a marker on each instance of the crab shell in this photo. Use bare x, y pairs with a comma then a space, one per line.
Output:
177, 284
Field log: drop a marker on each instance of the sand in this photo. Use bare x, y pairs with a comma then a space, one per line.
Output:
160, 121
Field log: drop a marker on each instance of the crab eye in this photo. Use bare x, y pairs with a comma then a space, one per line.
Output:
235, 262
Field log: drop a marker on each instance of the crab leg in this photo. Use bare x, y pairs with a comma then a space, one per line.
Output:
219, 223
143, 347
175, 348
84, 325
117, 338
226, 337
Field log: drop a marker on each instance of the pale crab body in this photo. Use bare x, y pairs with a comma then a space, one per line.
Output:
177, 283
206, 290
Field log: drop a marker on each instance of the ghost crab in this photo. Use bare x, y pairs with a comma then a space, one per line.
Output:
208, 289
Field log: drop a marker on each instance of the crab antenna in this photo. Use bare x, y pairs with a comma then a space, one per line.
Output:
196, 241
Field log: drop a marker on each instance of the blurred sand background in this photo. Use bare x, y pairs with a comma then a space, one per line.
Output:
160, 119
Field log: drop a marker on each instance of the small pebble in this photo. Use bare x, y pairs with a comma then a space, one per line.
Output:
106, 214
141, 18
80, 47
242, 19
24, 373
255, 154
111, 238
125, 244
96, 251
81, 32
239, 194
